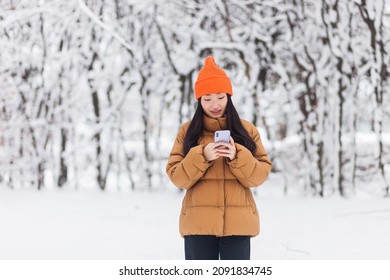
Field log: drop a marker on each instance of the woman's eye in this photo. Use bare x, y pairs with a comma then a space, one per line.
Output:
221, 97
206, 99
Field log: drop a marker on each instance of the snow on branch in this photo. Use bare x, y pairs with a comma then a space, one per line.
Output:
104, 26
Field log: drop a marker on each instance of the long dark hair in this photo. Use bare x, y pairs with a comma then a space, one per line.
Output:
233, 123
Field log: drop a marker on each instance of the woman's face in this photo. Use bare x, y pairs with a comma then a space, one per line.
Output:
214, 105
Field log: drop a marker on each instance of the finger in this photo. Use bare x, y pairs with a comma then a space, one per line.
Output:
224, 152
211, 146
225, 155
231, 140
223, 148
224, 144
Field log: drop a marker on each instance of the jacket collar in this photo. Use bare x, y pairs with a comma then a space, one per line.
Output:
214, 124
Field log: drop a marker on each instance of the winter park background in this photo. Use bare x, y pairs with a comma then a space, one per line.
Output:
92, 94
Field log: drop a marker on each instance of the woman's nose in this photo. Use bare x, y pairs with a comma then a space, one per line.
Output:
214, 104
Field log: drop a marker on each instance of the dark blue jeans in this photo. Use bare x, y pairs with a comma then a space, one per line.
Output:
210, 247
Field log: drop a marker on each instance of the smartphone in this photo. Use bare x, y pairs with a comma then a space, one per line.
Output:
222, 136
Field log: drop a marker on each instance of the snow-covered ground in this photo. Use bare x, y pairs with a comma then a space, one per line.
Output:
144, 225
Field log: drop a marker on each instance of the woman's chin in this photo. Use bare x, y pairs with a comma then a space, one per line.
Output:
212, 115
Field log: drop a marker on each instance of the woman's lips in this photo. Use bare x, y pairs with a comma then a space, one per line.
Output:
215, 112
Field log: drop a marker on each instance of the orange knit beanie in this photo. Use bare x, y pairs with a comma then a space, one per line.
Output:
212, 79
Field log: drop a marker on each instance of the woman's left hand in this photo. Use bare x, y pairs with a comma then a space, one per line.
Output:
227, 149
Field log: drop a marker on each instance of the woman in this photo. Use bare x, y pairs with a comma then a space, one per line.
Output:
219, 214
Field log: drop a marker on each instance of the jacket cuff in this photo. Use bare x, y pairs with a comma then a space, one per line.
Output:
198, 159
243, 157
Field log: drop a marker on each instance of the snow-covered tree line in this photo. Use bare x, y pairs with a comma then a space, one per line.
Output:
92, 92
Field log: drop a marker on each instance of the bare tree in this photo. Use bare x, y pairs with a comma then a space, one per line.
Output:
374, 19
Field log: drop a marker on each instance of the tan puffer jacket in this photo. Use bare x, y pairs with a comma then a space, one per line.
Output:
218, 199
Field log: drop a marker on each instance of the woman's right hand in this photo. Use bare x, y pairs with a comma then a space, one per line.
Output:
210, 152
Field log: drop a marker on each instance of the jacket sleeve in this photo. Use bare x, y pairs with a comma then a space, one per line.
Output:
251, 170
185, 170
